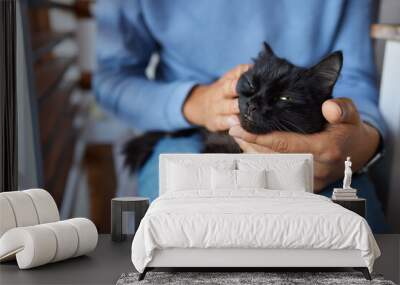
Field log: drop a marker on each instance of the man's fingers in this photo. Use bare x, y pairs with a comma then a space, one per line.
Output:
230, 79
282, 142
331, 111
340, 110
229, 107
239, 132
252, 148
237, 71
242, 68
245, 146
223, 123
229, 88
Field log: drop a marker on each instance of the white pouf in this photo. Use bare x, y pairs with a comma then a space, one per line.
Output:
31, 232
66, 237
23, 208
26, 208
40, 244
32, 246
45, 205
7, 219
87, 234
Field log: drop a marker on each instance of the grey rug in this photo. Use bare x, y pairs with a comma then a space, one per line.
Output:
231, 278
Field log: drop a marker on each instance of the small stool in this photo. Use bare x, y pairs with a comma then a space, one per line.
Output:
126, 212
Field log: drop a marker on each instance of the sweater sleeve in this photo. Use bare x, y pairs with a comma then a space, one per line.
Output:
358, 76
124, 48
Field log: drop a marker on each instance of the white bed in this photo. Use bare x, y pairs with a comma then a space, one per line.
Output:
193, 224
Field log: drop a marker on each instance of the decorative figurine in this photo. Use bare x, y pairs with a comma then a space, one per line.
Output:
347, 192
347, 174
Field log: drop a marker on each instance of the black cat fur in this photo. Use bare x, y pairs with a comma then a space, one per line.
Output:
274, 95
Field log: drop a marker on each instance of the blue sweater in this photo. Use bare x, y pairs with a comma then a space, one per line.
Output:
199, 40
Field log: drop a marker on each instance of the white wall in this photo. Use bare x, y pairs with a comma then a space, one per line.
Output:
389, 13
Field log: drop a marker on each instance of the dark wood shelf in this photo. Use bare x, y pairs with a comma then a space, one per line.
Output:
56, 154
52, 110
55, 78
53, 151
81, 8
50, 73
57, 183
63, 124
43, 43
50, 4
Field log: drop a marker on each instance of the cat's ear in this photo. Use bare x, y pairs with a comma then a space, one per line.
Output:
327, 71
267, 51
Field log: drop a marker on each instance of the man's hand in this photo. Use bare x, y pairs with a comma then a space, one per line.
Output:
345, 135
215, 106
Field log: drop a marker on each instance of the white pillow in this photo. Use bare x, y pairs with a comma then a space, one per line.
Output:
292, 180
223, 179
187, 174
237, 179
251, 178
187, 177
281, 174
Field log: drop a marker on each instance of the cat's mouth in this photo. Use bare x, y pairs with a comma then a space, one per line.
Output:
249, 124
247, 120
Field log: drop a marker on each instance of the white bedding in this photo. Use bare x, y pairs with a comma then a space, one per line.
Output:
252, 218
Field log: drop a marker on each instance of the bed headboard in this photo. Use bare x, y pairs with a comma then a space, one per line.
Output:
306, 158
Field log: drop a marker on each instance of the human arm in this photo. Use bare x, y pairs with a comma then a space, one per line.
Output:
124, 48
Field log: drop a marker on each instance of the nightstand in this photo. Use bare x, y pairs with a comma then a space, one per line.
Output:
126, 214
358, 205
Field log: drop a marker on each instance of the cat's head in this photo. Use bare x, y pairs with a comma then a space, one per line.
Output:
275, 95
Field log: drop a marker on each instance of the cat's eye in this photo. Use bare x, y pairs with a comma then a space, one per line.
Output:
246, 85
250, 84
285, 98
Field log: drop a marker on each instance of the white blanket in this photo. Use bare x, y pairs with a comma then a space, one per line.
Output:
250, 219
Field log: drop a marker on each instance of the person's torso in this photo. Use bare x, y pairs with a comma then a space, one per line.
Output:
200, 40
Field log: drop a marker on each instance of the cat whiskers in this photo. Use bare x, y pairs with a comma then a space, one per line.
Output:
293, 125
277, 125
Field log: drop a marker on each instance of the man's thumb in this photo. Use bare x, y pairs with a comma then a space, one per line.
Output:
340, 110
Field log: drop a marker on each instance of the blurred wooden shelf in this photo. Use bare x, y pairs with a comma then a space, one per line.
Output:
44, 42
56, 183
50, 73
81, 8
386, 31
61, 111
52, 110
57, 152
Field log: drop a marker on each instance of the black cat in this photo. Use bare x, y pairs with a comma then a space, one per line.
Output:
274, 95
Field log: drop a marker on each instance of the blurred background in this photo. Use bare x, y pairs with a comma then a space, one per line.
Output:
70, 147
